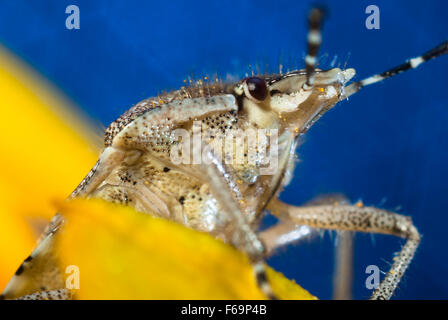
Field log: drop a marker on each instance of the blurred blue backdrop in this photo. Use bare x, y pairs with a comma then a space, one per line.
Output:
387, 146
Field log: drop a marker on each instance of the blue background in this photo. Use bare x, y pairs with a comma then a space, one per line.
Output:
387, 146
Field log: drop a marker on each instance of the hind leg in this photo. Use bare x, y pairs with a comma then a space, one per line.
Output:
361, 219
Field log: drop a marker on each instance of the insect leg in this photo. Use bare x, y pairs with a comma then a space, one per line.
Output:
108, 160
284, 233
314, 41
362, 219
343, 273
243, 236
343, 269
408, 65
40, 269
39, 272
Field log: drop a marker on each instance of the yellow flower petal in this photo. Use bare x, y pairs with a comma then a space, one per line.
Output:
45, 154
123, 254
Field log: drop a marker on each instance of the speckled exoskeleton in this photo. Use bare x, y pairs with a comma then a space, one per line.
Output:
226, 198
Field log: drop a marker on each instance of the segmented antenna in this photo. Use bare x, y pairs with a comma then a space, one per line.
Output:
410, 64
314, 40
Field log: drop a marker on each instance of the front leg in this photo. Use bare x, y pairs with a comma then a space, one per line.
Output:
362, 219
286, 232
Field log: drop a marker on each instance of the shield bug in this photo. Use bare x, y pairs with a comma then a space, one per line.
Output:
214, 156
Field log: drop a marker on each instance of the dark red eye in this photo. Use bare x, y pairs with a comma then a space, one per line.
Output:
257, 88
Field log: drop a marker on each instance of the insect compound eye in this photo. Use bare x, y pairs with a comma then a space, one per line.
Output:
255, 88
